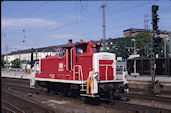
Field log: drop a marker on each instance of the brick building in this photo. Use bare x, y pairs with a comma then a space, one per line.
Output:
134, 31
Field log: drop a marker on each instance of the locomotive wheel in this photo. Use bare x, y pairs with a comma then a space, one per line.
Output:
61, 93
69, 93
48, 90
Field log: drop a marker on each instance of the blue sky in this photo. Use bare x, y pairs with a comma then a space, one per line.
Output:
48, 23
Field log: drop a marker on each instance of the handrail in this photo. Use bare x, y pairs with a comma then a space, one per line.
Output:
82, 77
71, 57
79, 69
66, 59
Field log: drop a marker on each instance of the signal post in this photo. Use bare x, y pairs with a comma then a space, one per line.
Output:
155, 41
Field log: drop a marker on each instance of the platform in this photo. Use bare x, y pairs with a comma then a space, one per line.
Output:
22, 74
15, 74
148, 78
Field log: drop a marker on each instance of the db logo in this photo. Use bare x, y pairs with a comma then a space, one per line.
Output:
61, 66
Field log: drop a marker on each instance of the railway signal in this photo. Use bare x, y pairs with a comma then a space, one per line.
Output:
155, 18
155, 41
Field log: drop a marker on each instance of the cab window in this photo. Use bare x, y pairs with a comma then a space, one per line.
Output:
81, 49
62, 52
96, 49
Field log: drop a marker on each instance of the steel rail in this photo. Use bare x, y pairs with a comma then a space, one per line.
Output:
11, 105
7, 109
27, 101
24, 88
15, 80
145, 97
136, 107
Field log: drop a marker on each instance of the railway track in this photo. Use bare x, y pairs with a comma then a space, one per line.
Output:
127, 95
145, 97
135, 108
120, 105
143, 91
7, 107
15, 80
10, 101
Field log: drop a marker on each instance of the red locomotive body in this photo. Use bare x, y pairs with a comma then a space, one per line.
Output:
68, 71
71, 62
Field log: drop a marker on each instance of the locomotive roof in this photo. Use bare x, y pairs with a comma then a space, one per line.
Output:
67, 45
71, 45
48, 49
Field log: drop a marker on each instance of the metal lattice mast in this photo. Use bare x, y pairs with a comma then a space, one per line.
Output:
104, 28
152, 60
146, 22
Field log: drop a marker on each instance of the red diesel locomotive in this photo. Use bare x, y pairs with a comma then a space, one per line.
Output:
77, 69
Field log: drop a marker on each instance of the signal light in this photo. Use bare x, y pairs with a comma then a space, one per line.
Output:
155, 8
155, 18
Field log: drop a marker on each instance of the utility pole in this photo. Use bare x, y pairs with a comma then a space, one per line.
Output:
134, 54
146, 22
6, 50
104, 28
165, 44
36, 54
24, 37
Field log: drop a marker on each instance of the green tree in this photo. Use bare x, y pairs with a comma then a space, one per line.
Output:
142, 42
2, 62
121, 46
16, 63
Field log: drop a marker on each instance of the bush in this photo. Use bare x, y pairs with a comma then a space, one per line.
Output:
16, 63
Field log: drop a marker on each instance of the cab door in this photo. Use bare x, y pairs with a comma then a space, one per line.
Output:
69, 59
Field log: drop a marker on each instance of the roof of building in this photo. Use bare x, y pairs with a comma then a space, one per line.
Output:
134, 29
43, 49
143, 30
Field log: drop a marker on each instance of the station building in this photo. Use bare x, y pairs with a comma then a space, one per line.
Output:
163, 66
38, 53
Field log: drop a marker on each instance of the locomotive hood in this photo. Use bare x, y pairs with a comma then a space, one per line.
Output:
104, 60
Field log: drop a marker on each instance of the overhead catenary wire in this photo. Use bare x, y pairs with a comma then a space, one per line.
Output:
57, 28
93, 32
73, 23
70, 23
28, 14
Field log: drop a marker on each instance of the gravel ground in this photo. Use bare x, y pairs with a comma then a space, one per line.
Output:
23, 105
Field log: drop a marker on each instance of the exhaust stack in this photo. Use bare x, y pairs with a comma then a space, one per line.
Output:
70, 41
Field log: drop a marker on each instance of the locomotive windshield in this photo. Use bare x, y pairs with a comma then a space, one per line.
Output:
96, 48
